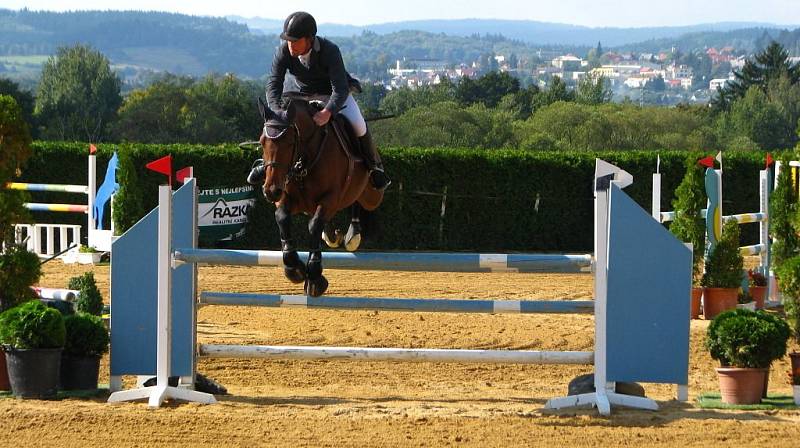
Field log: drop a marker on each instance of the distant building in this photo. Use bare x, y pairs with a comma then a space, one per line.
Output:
568, 63
679, 72
717, 84
636, 82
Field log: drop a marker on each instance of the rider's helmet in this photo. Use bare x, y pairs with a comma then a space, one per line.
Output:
299, 25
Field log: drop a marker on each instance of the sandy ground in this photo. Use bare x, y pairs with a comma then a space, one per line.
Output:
336, 403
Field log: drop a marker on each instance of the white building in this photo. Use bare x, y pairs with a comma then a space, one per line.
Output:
718, 83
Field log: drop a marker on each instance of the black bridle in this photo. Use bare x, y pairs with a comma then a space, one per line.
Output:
296, 170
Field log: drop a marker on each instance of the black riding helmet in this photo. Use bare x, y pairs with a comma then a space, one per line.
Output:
299, 25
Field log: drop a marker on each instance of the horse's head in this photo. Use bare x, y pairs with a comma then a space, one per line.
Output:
280, 142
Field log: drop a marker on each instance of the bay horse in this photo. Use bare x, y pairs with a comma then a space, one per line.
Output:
310, 170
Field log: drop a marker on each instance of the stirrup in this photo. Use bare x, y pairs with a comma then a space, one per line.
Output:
258, 173
378, 179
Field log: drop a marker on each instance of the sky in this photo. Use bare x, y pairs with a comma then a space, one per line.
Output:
594, 13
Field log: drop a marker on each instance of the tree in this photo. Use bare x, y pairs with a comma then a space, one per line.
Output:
24, 99
656, 84
593, 91
756, 118
78, 95
770, 64
151, 115
15, 141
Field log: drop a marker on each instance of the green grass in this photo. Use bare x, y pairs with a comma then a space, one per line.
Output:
37, 59
712, 400
162, 58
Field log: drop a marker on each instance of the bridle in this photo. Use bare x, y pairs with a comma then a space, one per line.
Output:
296, 170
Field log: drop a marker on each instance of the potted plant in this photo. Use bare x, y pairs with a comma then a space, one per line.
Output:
745, 343
689, 226
88, 255
789, 273
723, 275
89, 298
33, 337
86, 342
757, 287
19, 269
782, 209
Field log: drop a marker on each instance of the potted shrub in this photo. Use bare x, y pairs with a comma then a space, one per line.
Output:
33, 337
745, 343
782, 209
86, 342
723, 275
757, 287
19, 269
88, 255
689, 226
789, 273
89, 298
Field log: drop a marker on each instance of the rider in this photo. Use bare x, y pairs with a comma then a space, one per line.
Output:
317, 66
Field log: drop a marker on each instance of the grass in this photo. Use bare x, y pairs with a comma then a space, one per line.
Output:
712, 400
37, 59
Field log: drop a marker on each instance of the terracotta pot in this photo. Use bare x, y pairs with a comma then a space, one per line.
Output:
694, 308
759, 295
4, 382
741, 386
717, 300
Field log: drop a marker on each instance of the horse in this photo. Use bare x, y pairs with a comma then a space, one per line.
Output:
309, 170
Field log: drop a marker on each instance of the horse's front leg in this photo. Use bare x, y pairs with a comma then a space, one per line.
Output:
316, 283
293, 268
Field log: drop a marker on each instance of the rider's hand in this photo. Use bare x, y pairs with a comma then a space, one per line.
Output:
322, 117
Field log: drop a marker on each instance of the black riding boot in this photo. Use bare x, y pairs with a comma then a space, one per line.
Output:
258, 173
377, 176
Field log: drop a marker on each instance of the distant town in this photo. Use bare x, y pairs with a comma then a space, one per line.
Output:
644, 77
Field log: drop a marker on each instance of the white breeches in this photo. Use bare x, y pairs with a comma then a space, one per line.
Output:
353, 115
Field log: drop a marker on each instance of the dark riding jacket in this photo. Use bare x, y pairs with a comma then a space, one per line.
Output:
325, 74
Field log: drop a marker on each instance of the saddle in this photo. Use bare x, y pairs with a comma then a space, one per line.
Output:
347, 137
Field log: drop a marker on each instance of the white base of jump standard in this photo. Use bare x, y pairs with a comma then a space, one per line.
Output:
602, 401
156, 395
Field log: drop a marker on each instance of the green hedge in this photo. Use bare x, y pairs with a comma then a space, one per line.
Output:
497, 200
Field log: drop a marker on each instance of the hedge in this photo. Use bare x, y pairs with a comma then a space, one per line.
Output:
497, 200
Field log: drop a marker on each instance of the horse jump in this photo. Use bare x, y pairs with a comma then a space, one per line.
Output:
154, 328
68, 234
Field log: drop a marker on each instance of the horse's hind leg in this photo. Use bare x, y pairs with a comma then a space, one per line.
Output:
332, 236
293, 268
316, 283
353, 238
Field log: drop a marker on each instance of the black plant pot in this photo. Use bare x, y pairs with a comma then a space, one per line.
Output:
34, 372
79, 372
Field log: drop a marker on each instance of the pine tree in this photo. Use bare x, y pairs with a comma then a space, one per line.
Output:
768, 65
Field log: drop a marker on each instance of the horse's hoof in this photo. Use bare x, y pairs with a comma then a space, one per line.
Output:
316, 287
335, 242
295, 274
353, 242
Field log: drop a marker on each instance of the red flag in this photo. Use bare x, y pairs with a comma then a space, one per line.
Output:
770, 160
184, 173
92, 148
707, 161
163, 166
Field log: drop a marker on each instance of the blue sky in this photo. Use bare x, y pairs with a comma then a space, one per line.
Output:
594, 13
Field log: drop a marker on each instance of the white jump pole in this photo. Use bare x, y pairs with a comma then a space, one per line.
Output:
162, 390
